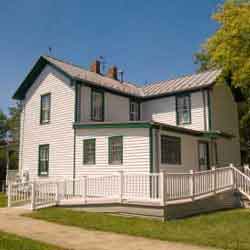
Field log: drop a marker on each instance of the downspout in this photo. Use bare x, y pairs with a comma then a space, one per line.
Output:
21, 139
75, 120
209, 111
151, 158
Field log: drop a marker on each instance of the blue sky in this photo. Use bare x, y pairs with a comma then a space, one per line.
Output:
149, 40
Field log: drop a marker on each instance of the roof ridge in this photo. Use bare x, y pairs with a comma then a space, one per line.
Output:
67, 62
81, 67
178, 77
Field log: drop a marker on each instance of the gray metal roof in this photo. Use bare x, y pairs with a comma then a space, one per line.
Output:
100, 80
185, 83
189, 82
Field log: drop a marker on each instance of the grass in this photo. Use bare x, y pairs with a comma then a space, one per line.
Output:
3, 200
13, 242
226, 230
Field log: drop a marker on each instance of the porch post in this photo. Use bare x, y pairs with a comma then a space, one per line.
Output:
192, 184
9, 193
85, 189
162, 189
33, 194
214, 179
121, 185
246, 167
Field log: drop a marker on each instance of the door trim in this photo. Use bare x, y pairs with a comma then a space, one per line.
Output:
208, 154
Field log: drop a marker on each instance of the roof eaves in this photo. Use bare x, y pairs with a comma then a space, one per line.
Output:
32, 75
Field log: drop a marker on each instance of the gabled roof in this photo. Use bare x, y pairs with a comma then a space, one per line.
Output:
75, 72
190, 82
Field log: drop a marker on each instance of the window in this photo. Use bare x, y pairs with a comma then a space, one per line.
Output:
43, 168
45, 109
89, 151
183, 109
170, 150
134, 111
115, 150
97, 105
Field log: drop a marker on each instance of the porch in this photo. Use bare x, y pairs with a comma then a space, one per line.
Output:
131, 189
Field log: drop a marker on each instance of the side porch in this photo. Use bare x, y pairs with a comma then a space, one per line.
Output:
161, 195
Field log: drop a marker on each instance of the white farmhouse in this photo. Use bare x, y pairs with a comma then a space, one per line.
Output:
76, 122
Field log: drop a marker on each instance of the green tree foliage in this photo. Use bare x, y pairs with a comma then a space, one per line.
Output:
3, 126
229, 49
14, 122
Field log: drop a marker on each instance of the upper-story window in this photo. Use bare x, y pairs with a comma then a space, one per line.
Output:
134, 111
183, 109
45, 108
97, 105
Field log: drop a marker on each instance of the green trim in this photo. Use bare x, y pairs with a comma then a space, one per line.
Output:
189, 110
151, 155
39, 160
208, 154
113, 125
204, 110
92, 140
77, 102
32, 75
109, 141
209, 111
42, 62
97, 90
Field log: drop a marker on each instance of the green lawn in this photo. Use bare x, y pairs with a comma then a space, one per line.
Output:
3, 200
227, 229
13, 242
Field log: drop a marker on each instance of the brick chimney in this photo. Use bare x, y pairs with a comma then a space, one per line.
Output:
96, 67
112, 72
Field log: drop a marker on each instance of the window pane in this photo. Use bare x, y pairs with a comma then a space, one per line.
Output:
89, 151
43, 160
134, 113
115, 150
45, 108
97, 105
170, 150
183, 111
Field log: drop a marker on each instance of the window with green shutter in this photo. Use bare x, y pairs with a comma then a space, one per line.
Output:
43, 167
89, 151
116, 150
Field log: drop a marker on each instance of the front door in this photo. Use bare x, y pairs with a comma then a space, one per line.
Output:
203, 156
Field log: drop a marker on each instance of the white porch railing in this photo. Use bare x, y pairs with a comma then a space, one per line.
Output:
136, 188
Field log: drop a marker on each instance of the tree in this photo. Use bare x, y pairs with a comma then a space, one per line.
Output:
14, 123
3, 127
229, 50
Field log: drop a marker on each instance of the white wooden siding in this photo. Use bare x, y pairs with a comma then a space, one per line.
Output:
116, 108
136, 153
164, 110
225, 118
58, 133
